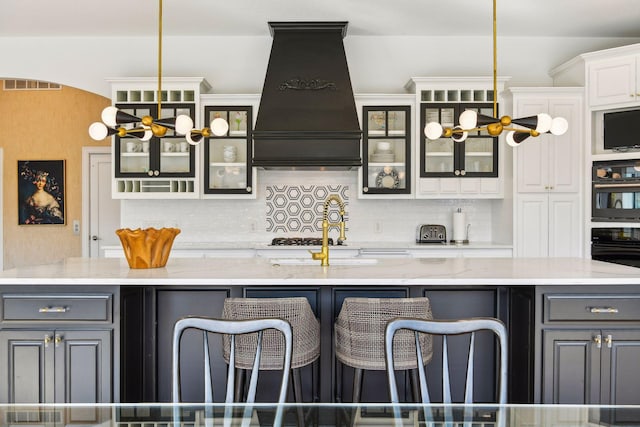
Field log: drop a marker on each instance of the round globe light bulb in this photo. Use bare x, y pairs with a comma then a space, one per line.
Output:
184, 124
468, 119
433, 130
147, 133
544, 123
559, 126
510, 140
192, 141
98, 131
458, 131
219, 126
109, 116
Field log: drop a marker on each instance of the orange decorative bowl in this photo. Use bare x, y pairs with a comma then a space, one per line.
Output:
148, 248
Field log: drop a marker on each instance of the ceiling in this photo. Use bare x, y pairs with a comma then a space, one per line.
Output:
529, 18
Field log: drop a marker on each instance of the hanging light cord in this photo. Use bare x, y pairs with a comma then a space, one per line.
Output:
160, 58
495, 62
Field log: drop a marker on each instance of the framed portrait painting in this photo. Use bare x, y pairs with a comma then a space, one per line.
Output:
40, 192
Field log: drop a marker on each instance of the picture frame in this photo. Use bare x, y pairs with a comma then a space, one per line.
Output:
41, 192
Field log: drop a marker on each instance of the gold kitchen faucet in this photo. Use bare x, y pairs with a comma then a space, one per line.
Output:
323, 255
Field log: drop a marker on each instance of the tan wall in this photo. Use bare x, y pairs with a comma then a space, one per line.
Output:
45, 125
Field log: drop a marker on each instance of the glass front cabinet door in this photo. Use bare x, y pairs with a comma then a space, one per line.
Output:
386, 149
167, 156
477, 156
228, 168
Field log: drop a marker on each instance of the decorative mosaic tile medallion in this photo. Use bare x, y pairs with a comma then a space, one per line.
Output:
299, 208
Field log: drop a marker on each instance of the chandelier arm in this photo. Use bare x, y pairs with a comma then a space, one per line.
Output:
531, 132
520, 130
467, 130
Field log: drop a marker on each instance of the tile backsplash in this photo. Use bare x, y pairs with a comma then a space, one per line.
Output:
289, 203
300, 208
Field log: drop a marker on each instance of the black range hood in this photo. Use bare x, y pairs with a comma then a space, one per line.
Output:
307, 117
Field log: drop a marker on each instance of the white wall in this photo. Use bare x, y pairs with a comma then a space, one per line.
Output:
238, 64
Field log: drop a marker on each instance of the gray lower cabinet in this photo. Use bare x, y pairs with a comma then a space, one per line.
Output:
590, 347
59, 345
571, 367
55, 366
592, 366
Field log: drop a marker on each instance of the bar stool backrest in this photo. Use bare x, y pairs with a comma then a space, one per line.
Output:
231, 329
360, 326
296, 310
446, 328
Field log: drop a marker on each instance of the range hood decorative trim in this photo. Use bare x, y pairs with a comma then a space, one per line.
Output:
313, 84
307, 116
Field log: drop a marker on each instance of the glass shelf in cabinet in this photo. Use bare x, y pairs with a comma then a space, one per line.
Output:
383, 164
478, 153
439, 154
178, 154
227, 164
237, 133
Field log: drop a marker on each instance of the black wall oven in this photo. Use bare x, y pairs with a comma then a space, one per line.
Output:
620, 245
616, 191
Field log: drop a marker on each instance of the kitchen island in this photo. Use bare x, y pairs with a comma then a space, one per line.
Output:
555, 309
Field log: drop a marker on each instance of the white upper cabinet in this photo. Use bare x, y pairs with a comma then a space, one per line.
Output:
611, 76
444, 169
549, 163
614, 81
164, 167
387, 145
227, 170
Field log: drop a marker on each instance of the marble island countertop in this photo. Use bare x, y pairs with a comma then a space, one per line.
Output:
383, 271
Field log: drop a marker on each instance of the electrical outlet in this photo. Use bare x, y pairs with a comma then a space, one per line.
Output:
377, 227
76, 227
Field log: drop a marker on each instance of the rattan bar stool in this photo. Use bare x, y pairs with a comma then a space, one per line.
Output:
359, 335
306, 335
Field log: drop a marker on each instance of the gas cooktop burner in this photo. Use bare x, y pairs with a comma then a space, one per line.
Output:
299, 241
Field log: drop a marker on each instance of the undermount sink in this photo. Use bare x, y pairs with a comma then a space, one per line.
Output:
332, 261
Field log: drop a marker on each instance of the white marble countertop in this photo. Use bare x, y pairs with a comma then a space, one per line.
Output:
384, 271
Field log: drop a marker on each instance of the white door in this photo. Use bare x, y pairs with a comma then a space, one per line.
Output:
104, 211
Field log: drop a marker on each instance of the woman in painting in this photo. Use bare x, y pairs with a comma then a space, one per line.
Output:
42, 207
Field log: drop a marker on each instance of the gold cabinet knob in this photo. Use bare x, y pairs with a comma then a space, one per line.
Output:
598, 340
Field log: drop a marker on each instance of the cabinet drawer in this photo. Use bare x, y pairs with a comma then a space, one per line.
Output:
592, 307
57, 307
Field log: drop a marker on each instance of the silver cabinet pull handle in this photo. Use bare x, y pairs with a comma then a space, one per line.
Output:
603, 310
53, 309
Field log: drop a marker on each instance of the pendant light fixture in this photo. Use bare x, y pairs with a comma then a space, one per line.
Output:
145, 127
471, 121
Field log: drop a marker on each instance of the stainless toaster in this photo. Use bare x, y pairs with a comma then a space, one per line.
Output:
431, 233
